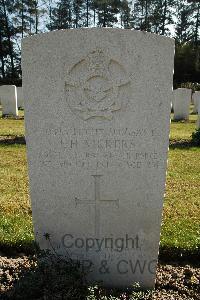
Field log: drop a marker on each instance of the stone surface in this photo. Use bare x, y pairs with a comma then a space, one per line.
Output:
196, 98
8, 96
97, 131
20, 99
182, 104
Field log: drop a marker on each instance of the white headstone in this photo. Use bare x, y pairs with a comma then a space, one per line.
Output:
8, 96
192, 99
20, 99
98, 102
196, 97
182, 104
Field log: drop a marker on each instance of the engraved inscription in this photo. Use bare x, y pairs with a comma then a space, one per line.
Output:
97, 202
92, 86
96, 148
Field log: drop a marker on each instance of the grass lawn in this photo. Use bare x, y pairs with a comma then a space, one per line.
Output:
10, 126
181, 222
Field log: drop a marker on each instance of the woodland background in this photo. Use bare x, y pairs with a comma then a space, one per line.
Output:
177, 19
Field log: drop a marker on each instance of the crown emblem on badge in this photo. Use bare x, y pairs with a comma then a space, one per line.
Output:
96, 61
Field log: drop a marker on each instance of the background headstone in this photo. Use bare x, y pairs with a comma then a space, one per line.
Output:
8, 96
196, 97
182, 104
98, 102
20, 99
192, 99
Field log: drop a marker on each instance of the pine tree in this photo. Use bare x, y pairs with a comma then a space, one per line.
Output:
183, 28
48, 8
126, 16
7, 32
86, 8
196, 23
61, 15
196, 35
77, 13
162, 16
34, 11
22, 17
107, 11
143, 14
3, 45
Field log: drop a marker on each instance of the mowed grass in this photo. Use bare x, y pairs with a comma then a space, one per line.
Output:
182, 130
11, 126
181, 222
15, 213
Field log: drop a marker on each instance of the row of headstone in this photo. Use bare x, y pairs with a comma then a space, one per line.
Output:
11, 98
8, 99
20, 99
198, 109
196, 100
181, 104
97, 176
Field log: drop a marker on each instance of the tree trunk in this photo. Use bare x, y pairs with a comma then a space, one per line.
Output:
30, 25
197, 49
197, 26
1, 56
36, 16
94, 16
164, 18
104, 15
141, 19
50, 14
87, 14
9, 39
146, 14
22, 19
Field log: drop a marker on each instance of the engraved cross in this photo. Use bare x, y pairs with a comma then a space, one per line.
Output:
97, 202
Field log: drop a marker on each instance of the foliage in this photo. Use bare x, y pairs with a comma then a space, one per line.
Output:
184, 22
196, 137
187, 64
135, 293
61, 16
190, 85
19, 19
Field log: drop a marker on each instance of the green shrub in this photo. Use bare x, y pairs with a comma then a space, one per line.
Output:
196, 137
190, 85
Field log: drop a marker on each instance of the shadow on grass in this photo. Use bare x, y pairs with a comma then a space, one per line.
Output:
49, 276
173, 255
11, 140
181, 144
21, 247
45, 276
166, 254
10, 117
184, 121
